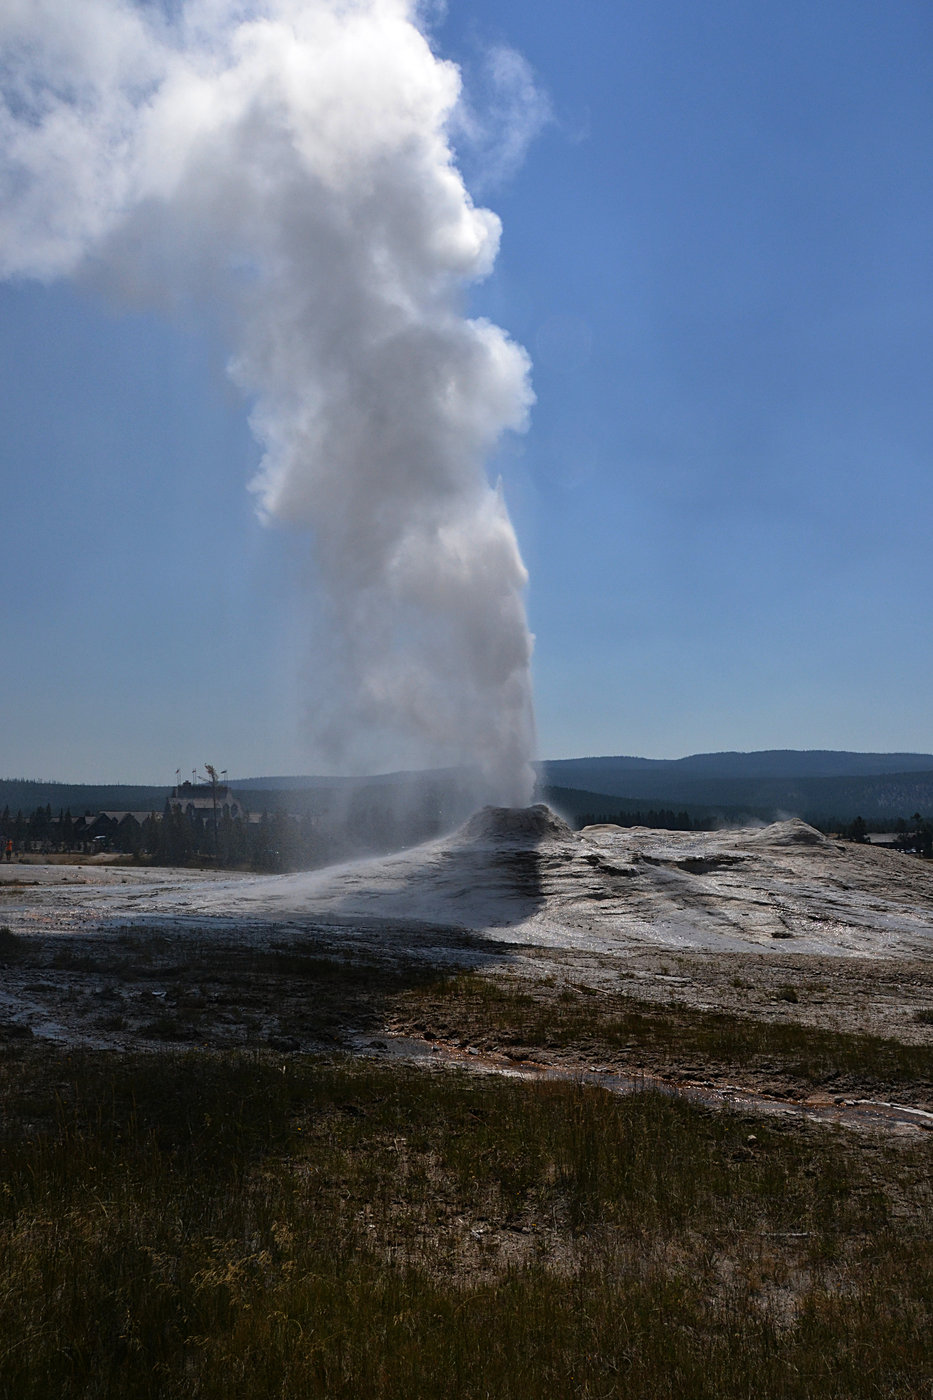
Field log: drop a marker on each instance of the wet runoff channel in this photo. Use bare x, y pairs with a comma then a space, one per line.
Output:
850, 1113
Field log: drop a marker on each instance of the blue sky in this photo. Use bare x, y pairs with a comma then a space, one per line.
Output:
717, 255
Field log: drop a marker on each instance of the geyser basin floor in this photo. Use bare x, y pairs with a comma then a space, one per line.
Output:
531, 880
779, 926
421, 1214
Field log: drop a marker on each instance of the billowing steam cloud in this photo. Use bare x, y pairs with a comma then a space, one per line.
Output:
288, 161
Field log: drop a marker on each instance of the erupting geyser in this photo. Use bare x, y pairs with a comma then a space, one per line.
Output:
288, 162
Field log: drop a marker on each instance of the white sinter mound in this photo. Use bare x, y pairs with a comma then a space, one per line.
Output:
521, 875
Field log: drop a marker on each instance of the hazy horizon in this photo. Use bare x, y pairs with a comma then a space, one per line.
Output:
199, 776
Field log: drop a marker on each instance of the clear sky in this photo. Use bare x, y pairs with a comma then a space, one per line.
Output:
717, 253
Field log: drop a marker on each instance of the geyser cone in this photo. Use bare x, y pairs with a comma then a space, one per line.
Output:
515, 825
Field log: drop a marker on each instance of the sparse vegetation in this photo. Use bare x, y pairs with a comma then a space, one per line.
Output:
600, 1025
204, 1226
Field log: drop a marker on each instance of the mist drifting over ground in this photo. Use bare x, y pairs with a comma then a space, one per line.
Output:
287, 165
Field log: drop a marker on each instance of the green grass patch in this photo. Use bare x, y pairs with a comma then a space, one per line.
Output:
197, 1225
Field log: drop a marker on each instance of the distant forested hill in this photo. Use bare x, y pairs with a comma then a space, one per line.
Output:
24, 794
766, 763
817, 785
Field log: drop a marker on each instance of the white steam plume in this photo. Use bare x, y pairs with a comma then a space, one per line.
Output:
289, 161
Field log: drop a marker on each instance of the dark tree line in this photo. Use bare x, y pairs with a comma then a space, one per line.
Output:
38, 830
913, 836
280, 840
917, 836
274, 841
277, 841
